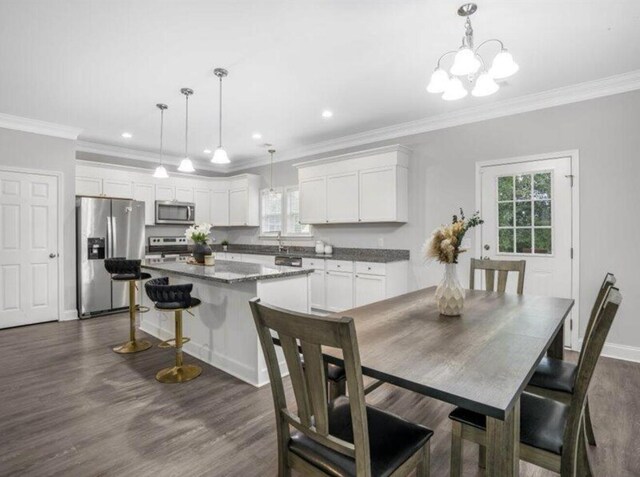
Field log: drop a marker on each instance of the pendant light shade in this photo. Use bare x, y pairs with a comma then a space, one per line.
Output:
485, 86
465, 62
161, 172
455, 90
439, 81
220, 155
503, 65
185, 164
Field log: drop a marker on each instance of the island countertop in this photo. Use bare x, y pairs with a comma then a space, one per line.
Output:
226, 271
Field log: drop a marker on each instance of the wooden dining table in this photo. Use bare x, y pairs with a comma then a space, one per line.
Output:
481, 360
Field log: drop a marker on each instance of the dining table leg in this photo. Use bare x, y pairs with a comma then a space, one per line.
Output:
503, 444
556, 350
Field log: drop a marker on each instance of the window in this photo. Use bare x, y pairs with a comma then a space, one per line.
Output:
524, 214
280, 212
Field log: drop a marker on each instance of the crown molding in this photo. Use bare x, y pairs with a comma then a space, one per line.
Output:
35, 126
588, 90
139, 155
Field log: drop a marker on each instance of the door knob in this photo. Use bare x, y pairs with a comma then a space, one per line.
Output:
53, 255
486, 246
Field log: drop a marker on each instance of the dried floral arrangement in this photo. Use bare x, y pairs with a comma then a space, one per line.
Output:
444, 244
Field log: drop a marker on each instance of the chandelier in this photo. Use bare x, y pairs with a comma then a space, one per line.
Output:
468, 63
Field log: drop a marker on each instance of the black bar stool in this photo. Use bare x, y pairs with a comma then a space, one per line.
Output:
123, 270
176, 298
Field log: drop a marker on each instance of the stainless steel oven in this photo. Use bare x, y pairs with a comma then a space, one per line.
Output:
171, 212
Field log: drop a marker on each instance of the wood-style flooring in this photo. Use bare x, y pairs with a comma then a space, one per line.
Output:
69, 406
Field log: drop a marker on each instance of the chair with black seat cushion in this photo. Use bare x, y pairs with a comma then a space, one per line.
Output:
556, 378
176, 298
551, 432
343, 437
123, 270
503, 267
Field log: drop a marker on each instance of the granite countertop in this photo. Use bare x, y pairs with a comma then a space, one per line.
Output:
379, 255
226, 271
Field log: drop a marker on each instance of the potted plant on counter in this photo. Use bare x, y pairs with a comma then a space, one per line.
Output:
445, 246
199, 234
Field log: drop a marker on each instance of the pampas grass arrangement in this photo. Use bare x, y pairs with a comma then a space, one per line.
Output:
445, 241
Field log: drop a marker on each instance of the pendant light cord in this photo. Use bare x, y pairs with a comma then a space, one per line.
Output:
220, 117
271, 178
186, 128
161, 131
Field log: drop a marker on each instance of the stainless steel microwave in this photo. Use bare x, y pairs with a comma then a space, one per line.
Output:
171, 212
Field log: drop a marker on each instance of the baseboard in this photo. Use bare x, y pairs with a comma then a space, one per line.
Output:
619, 351
69, 315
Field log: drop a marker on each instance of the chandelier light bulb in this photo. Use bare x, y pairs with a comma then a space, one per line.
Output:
438, 82
503, 65
465, 62
455, 90
160, 173
485, 86
186, 165
220, 156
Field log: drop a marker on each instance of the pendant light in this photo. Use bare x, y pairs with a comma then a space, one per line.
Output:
272, 191
185, 164
220, 155
161, 172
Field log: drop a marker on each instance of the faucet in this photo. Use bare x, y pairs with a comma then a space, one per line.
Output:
281, 247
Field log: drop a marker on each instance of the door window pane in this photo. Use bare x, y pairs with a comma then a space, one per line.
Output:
505, 240
505, 188
523, 214
523, 187
523, 241
505, 214
542, 212
543, 240
542, 186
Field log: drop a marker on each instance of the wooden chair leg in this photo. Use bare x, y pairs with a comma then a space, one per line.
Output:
582, 459
591, 438
423, 469
456, 449
482, 457
336, 389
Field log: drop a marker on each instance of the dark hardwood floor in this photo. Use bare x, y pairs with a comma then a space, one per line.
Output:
69, 406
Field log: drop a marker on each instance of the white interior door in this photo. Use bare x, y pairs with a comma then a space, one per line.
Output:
28, 248
527, 209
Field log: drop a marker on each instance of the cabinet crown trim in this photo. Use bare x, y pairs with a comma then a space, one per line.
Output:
354, 155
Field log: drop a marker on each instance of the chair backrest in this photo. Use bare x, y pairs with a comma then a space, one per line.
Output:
607, 283
159, 291
503, 267
586, 367
120, 265
306, 334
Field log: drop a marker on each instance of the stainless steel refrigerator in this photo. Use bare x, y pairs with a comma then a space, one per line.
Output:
106, 228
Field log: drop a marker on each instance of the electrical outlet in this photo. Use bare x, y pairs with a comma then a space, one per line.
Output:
381, 242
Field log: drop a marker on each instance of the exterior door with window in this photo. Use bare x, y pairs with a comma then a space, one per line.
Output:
527, 209
28, 248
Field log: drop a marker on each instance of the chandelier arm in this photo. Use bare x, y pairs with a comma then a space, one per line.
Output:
442, 57
489, 41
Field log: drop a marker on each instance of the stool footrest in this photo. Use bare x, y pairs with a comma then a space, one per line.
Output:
171, 343
142, 309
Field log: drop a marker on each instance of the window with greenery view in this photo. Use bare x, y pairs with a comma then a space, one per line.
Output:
280, 212
524, 214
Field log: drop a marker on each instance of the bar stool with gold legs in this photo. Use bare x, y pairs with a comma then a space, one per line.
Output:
123, 270
176, 298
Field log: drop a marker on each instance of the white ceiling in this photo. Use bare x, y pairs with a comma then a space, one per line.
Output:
103, 65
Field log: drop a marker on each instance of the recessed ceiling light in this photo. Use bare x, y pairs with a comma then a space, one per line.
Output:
207, 151
256, 135
127, 135
327, 114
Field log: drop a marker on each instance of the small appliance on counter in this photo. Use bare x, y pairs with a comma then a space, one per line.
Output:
328, 249
319, 247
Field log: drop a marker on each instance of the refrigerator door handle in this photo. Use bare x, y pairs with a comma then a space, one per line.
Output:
109, 239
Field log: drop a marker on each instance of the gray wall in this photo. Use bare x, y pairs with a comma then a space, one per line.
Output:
442, 178
34, 151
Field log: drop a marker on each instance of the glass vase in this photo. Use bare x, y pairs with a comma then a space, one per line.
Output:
450, 294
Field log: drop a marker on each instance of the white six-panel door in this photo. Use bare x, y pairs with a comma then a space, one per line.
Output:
28, 248
527, 209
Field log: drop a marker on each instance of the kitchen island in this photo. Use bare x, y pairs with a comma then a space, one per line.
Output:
222, 331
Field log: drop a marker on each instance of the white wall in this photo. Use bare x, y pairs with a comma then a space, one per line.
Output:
34, 151
442, 178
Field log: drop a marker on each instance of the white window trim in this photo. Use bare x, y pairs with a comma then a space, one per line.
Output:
274, 236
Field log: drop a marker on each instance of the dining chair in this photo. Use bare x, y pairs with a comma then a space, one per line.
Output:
555, 378
503, 267
344, 437
551, 432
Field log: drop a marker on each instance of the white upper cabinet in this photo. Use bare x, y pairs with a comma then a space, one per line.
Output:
88, 186
165, 192
313, 200
221, 201
367, 186
219, 208
145, 192
342, 198
184, 194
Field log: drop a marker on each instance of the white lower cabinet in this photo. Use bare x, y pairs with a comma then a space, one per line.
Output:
369, 289
318, 285
339, 290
